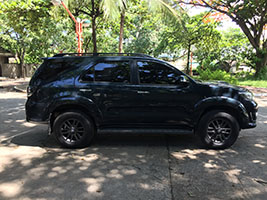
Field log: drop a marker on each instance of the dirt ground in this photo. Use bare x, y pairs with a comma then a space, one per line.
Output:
124, 166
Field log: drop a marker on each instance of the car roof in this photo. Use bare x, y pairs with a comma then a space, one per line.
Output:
102, 54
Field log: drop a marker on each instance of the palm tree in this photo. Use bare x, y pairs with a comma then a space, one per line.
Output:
112, 8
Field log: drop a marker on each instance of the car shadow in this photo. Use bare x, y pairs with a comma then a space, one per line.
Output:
40, 138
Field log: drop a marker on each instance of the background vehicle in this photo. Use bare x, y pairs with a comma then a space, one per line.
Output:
79, 96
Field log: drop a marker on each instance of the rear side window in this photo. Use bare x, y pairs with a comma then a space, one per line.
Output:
115, 72
52, 68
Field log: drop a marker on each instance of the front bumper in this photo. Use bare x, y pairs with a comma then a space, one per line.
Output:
250, 120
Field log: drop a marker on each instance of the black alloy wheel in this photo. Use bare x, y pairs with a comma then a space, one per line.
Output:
218, 130
73, 129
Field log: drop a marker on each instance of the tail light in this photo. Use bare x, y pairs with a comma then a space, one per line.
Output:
30, 90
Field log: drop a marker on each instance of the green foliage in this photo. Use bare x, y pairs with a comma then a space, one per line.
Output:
218, 75
251, 76
262, 75
254, 83
36, 34
233, 48
251, 17
143, 29
23, 24
188, 33
36, 28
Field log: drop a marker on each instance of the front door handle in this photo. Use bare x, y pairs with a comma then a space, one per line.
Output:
86, 90
143, 92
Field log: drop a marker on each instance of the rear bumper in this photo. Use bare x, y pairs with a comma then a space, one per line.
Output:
36, 112
36, 121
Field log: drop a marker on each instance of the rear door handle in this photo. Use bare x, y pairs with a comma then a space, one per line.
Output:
143, 92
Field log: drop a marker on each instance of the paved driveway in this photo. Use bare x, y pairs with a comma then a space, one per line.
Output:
119, 166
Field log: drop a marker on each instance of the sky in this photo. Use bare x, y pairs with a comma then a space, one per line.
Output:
225, 24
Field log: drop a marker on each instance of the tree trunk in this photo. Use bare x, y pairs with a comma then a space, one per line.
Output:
261, 63
21, 54
121, 31
94, 27
188, 59
260, 51
94, 35
22, 73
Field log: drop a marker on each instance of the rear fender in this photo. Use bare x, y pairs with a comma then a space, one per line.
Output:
87, 106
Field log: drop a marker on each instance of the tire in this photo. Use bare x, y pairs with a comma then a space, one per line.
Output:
218, 130
73, 129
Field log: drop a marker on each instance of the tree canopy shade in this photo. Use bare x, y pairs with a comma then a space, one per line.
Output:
251, 16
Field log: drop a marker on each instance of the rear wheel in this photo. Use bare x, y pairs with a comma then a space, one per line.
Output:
218, 130
73, 129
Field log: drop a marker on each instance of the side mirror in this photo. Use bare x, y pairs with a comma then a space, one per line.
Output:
88, 77
182, 80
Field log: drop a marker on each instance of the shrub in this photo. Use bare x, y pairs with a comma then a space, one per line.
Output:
217, 75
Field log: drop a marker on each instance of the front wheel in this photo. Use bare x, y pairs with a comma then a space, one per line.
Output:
218, 130
73, 129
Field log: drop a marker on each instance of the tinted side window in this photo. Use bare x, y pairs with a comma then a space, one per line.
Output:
118, 72
155, 73
52, 68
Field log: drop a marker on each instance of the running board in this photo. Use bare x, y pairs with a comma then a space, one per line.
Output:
145, 131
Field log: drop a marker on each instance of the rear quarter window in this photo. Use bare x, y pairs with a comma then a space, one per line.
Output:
53, 68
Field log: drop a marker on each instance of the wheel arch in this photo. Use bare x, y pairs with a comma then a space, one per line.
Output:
228, 105
80, 105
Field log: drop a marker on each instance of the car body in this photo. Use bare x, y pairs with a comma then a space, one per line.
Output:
133, 93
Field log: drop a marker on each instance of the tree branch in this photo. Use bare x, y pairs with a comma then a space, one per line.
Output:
87, 13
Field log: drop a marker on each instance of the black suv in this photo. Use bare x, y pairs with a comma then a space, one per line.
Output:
79, 95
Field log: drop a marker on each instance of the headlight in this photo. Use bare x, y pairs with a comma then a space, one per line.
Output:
247, 95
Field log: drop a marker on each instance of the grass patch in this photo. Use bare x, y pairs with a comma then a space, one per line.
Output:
254, 83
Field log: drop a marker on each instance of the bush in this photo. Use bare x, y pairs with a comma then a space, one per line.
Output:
262, 75
244, 75
217, 75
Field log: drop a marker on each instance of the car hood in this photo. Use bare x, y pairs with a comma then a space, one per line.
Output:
221, 84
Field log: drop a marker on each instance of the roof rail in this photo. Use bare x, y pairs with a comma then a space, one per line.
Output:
102, 54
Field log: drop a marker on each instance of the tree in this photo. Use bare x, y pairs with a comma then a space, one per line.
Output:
190, 32
251, 16
113, 7
21, 23
91, 9
143, 29
232, 49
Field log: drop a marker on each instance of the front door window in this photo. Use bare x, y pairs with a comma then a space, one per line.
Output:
155, 73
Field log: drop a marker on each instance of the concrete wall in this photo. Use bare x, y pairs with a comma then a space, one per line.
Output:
12, 70
1, 65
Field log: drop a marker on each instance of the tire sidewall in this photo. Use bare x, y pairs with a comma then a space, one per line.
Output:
86, 122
